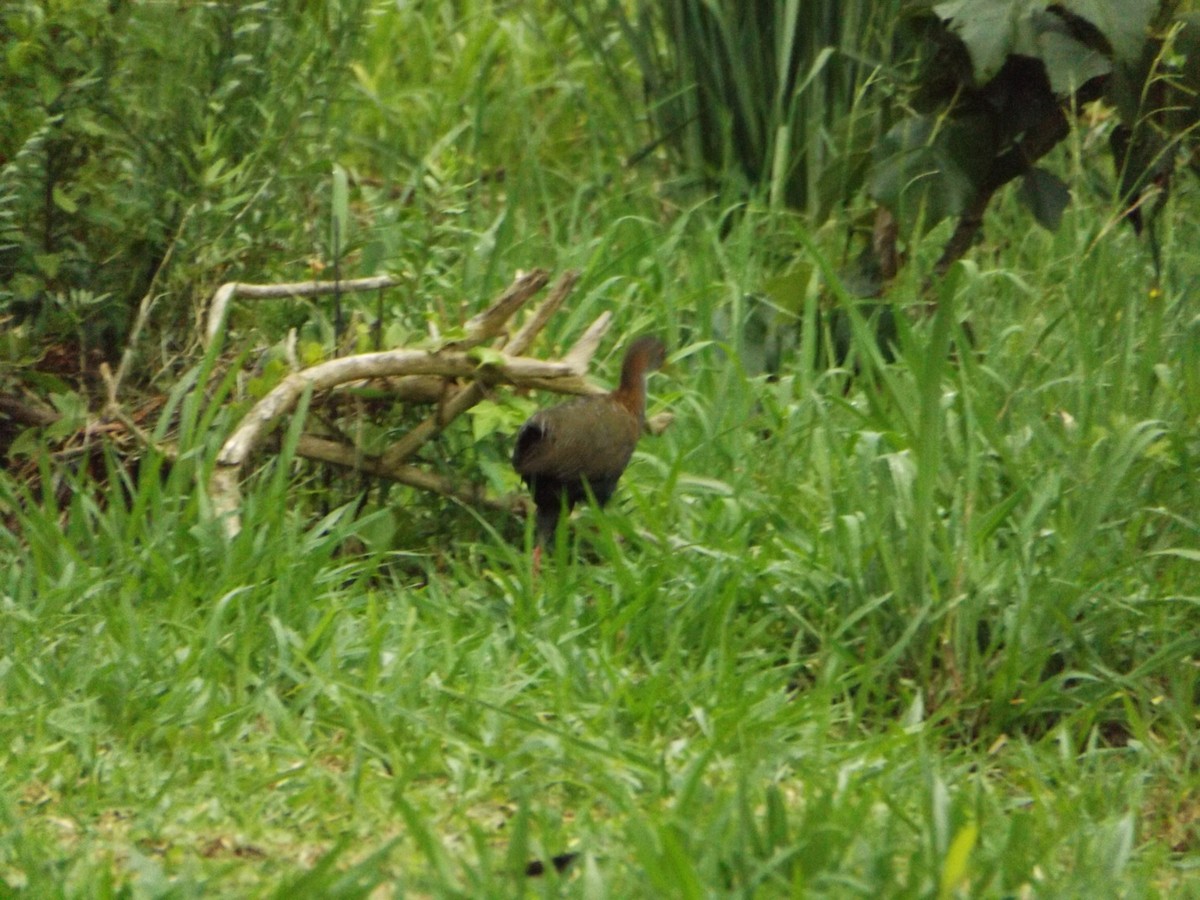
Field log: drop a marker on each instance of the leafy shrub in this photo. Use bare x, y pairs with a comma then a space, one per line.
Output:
994, 93
125, 149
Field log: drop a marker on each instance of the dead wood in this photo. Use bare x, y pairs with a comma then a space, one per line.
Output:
454, 375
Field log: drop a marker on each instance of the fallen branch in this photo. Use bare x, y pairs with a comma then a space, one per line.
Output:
339, 454
27, 412
456, 376
219, 307
324, 376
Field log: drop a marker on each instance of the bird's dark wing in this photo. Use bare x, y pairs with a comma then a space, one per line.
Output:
531, 436
591, 437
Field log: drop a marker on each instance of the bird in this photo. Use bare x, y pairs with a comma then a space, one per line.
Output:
579, 449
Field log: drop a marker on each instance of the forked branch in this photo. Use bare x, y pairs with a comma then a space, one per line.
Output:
456, 373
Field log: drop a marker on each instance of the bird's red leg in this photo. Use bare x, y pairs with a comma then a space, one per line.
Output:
537, 560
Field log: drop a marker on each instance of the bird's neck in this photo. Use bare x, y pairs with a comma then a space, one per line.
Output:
631, 393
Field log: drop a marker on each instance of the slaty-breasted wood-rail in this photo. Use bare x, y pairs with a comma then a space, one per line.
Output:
584, 445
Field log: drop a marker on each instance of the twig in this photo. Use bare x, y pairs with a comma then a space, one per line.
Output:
27, 414
533, 326
431, 389
656, 425
492, 320
143, 313
579, 357
324, 450
114, 410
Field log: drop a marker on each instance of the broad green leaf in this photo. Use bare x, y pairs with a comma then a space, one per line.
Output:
212, 174
25, 444
1124, 23
489, 417
75, 719
25, 286
64, 202
396, 334
789, 290
20, 54
88, 124
73, 411
486, 356
992, 31
1045, 195
311, 353
1068, 63
987, 28
927, 172
48, 263
272, 373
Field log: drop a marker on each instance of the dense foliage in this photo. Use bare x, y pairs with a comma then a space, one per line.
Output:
993, 97
124, 148
932, 107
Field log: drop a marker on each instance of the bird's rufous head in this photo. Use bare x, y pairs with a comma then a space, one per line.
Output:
646, 354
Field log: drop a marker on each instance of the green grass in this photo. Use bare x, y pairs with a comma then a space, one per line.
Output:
930, 631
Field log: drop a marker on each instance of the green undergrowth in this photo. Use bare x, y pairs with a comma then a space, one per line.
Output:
915, 628
927, 629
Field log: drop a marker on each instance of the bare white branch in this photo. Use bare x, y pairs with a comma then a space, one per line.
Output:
219, 307
454, 376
